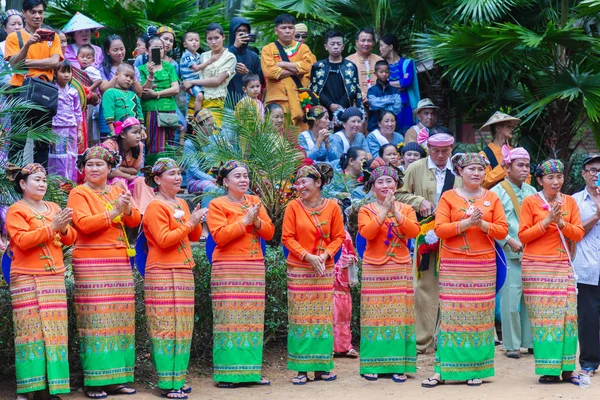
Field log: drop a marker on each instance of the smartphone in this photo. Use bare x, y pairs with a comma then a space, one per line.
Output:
46, 35
251, 37
131, 61
598, 181
155, 56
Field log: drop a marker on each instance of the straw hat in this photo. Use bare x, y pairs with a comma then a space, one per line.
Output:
497, 118
423, 104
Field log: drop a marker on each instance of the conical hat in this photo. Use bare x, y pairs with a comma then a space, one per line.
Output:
497, 118
80, 22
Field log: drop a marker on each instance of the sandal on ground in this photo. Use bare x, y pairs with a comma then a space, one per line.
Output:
432, 382
513, 354
263, 382
225, 385
399, 378
573, 379
300, 380
352, 353
325, 376
174, 394
546, 379
96, 394
370, 377
474, 382
121, 390
187, 389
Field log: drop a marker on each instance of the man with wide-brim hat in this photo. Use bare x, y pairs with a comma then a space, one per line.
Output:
502, 127
426, 113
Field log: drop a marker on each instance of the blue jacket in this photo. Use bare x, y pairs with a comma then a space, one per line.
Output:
381, 98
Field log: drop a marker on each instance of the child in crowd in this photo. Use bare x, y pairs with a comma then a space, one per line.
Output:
86, 56
251, 87
63, 40
119, 102
389, 154
190, 67
382, 95
66, 125
140, 46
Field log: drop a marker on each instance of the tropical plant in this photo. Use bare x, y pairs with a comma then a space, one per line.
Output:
130, 18
271, 157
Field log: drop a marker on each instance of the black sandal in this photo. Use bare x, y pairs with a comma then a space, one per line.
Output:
168, 394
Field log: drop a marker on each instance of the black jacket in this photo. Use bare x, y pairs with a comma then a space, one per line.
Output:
320, 71
243, 55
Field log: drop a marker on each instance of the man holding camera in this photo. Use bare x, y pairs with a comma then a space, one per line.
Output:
37, 51
247, 59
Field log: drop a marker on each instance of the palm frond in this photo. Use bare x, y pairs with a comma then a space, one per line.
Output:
484, 10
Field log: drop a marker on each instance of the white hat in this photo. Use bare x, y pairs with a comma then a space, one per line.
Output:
497, 118
423, 104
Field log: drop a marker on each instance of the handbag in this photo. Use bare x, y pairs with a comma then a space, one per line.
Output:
38, 90
167, 120
305, 95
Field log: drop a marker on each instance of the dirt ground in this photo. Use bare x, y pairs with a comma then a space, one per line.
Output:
514, 380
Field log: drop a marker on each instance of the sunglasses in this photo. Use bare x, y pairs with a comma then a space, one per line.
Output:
301, 36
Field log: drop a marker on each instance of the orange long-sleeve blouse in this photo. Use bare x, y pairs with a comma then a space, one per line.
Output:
312, 230
543, 242
37, 249
234, 240
387, 239
95, 230
452, 209
169, 232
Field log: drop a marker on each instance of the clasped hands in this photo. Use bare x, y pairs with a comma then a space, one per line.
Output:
554, 217
251, 216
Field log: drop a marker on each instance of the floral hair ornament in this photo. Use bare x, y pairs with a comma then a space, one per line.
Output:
386, 170
227, 168
121, 125
509, 155
461, 160
12, 170
161, 165
165, 29
550, 167
99, 152
315, 112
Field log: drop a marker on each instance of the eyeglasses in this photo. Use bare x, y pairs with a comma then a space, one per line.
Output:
300, 36
592, 171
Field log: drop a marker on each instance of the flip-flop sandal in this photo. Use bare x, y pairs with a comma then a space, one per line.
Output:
548, 379
187, 389
300, 380
263, 382
474, 382
225, 385
431, 383
370, 377
574, 380
119, 391
399, 378
171, 392
98, 395
352, 354
330, 377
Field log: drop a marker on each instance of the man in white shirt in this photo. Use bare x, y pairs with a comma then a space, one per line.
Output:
587, 267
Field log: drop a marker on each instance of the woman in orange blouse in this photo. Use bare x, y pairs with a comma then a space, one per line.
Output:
38, 230
388, 344
104, 288
238, 222
467, 221
313, 231
548, 220
127, 142
169, 282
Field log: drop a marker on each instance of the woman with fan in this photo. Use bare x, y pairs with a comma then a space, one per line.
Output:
238, 222
388, 344
550, 220
313, 231
468, 220
169, 282
38, 231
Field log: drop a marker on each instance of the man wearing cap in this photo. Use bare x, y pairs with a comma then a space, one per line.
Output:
502, 127
425, 181
335, 79
516, 329
301, 33
587, 267
426, 113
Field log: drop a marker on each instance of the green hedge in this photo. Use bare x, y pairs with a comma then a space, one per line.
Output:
275, 315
